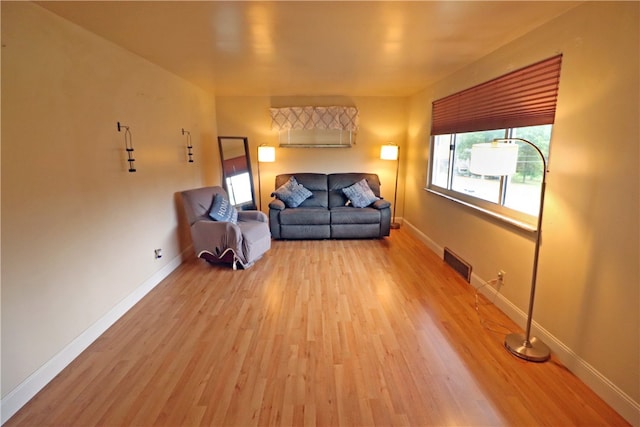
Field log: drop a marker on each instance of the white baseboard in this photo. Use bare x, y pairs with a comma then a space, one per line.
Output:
601, 385
26, 390
424, 238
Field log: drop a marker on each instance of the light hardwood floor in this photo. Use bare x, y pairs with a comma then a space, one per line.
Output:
327, 333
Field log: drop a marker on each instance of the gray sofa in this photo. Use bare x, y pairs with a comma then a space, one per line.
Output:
326, 214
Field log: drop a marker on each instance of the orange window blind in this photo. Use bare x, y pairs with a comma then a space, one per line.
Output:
525, 97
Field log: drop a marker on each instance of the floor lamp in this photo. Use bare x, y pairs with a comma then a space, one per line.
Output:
392, 152
266, 154
500, 158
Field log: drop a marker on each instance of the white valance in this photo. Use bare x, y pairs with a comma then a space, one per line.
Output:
342, 118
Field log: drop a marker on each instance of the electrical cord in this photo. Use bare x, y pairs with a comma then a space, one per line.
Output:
490, 325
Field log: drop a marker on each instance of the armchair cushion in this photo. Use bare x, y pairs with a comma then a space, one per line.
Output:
244, 216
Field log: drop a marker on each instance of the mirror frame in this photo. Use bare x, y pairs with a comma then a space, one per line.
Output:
249, 205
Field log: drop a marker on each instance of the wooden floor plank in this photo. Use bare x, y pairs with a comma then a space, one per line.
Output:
317, 333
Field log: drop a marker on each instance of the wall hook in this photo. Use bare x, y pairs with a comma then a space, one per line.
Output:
128, 145
189, 145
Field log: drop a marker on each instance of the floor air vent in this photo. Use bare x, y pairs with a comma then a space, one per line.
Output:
458, 264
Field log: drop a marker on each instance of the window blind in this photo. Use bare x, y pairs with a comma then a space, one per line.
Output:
525, 97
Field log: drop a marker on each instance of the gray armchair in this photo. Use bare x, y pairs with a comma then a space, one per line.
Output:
241, 243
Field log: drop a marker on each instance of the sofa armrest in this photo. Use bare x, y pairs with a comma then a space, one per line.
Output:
277, 204
252, 216
381, 204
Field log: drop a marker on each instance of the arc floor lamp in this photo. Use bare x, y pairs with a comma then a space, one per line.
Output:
500, 158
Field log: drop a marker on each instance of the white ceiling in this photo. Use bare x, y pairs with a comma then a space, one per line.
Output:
286, 48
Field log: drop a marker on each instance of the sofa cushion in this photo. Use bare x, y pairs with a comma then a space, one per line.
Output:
351, 215
292, 193
355, 231
360, 194
314, 182
222, 209
338, 181
305, 232
305, 216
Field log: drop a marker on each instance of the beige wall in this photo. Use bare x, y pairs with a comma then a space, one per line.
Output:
78, 230
588, 285
382, 119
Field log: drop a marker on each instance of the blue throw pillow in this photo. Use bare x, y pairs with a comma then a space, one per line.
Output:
360, 194
292, 193
223, 210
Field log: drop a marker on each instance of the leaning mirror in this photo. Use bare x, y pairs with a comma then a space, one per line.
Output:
236, 171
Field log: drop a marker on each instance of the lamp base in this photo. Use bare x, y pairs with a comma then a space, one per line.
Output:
533, 350
395, 225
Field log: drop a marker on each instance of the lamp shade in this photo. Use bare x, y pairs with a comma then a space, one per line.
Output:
389, 152
266, 154
493, 159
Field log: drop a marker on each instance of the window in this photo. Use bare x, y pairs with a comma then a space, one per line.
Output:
516, 196
312, 126
520, 104
239, 188
318, 138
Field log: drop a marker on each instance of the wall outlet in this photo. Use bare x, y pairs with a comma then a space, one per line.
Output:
501, 277
158, 253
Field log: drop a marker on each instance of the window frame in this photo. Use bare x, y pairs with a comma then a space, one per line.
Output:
316, 138
522, 98
497, 210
